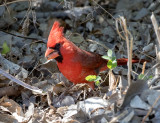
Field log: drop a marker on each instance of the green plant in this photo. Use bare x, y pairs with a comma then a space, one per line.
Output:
5, 48
94, 78
112, 62
143, 77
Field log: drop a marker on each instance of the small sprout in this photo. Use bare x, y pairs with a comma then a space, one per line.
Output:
112, 62
143, 77
94, 78
150, 77
5, 47
97, 81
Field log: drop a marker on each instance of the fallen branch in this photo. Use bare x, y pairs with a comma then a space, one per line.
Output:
25, 37
150, 110
12, 78
7, 3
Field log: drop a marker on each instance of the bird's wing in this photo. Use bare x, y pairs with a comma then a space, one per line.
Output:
90, 60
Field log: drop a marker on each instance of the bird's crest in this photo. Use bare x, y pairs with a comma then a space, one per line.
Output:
56, 35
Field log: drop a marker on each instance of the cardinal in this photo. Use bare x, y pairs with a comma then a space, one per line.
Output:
74, 63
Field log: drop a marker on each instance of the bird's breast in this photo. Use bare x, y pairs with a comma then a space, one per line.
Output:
74, 72
70, 70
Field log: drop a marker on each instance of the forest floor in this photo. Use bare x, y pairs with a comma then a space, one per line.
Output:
33, 90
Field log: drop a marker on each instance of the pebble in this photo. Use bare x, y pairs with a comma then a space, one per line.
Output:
89, 105
67, 101
142, 13
93, 47
2, 9
137, 102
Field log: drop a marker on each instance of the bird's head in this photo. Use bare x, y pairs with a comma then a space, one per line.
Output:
55, 41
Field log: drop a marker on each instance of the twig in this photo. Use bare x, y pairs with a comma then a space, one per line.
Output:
25, 37
103, 15
12, 78
155, 87
101, 44
120, 116
155, 79
156, 27
146, 55
157, 31
129, 40
150, 110
104, 10
12, 2
143, 68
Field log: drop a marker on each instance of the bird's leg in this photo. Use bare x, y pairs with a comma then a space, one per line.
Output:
91, 84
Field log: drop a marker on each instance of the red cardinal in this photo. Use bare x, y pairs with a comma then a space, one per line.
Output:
75, 63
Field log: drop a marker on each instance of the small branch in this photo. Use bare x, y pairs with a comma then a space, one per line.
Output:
143, 68
155, 87
101, 44
154, 80
157, 31
150, 109
32, 88
104, 9
156, 27
120, 116
127, 36
25, 37
12, 2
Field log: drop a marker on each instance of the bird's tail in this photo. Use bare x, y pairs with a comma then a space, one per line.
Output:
123, 61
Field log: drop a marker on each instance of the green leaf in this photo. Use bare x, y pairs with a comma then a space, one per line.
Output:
150, 77
114, 64
91, 78
109, 64
106, 57
97, 83
109, 53
114, 59
5, 47
141, 76
98, 78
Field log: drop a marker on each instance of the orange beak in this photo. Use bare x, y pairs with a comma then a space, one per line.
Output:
51, 54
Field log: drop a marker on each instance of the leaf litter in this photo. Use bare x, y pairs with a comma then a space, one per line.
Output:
89, 26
